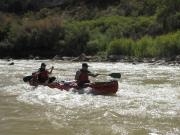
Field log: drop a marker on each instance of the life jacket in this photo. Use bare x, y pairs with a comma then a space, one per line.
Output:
43, 76
83, 77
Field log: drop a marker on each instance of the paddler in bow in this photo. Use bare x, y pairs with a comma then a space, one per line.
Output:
82, 75
42, 76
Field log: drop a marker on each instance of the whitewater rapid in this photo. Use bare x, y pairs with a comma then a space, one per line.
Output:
147, 102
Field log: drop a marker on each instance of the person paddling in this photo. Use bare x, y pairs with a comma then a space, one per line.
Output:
42, 75
82, 75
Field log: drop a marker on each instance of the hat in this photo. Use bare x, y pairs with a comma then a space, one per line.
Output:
43, 64
85, 65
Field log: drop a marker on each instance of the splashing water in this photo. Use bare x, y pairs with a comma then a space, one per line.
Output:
147, 102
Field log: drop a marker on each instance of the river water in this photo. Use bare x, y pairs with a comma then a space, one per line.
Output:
147, 102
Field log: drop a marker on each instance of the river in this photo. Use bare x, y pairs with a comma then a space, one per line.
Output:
147, 102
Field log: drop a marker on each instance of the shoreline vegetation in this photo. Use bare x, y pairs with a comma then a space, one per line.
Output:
97, 30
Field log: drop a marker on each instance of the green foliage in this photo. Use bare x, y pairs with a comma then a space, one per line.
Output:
75, 40
169, 44
145, 47
121, 47
161, 46
36, 37
4, 32
126, 27
168, 14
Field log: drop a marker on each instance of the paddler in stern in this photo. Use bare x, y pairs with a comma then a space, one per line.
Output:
82, 75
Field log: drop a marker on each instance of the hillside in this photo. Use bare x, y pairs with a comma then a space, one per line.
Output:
70, 27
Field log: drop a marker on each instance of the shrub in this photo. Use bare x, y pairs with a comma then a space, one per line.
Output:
161, 46
145, 47
36, 36
121, 47
76, 39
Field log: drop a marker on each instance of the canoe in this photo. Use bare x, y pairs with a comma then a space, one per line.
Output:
97, 88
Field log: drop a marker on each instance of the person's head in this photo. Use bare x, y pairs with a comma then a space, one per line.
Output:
43, 65
84, 66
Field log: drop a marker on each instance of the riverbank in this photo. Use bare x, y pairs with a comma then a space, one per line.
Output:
172, 61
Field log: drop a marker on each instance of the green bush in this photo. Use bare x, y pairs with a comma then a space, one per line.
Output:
126, 27
36, 37
161, 46
76, 39
145, 47
168, 45
121, 47
92, 47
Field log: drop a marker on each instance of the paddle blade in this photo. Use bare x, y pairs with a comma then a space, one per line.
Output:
27, 78
115, 75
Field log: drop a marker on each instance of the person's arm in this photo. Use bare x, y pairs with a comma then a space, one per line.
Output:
77, 75
51, 70
93, 75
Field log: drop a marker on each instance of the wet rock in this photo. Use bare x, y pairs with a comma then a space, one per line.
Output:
160, 62
12, 63
147, 60
134, 63
115, 58
140, 60
122, 60
171, 64
177, 58
173, 58
134, 60
154, 59
176, 64
37, 58
30, 57
126, 59
76, 59
57, 57
10, 59
67, 58
97, 59
82, 57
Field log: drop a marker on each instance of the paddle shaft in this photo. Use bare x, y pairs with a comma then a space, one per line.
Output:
113, 75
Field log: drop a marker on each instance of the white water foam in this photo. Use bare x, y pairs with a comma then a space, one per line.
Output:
145, 92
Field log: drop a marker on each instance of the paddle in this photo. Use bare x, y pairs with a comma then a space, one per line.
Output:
113, 75
27, 78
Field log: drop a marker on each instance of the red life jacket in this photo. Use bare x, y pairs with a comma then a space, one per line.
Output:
43, 76
83, 77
